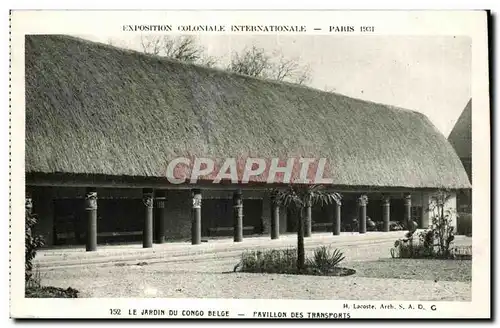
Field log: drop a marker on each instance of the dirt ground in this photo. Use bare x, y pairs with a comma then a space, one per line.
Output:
211, 276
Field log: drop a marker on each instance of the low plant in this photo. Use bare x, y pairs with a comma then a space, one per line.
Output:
434, 242
323, 260
405, 247
270, 261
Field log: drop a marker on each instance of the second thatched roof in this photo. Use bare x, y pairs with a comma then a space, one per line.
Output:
461, 135
96, 109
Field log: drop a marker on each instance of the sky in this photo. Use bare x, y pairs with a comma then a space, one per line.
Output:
428, 74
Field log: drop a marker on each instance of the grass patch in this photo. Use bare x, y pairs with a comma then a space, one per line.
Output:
50, 292
420, 269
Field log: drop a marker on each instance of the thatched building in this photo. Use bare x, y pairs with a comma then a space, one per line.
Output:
102, 124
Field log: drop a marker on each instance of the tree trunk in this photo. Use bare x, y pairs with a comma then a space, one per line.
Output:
301, 258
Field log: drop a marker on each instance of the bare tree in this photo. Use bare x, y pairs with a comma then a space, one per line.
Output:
252, 62
256, 62
286, 69
209, 61
151, 44
183, 48
303, 75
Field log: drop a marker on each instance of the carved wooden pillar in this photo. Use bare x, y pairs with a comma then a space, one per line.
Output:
147, 234
160, 217
386, 212
196, 218
308, 221
362, 201
407, 212
275, 218
91, 210
28, 202
337, 218
238, 216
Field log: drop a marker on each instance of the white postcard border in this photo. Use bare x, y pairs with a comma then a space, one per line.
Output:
468, 23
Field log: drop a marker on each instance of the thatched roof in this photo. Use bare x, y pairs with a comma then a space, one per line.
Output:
95, 109
461, 135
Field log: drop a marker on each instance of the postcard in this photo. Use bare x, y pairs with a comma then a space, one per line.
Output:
257, 164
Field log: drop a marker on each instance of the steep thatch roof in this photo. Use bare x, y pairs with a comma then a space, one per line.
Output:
96, 109
461, 135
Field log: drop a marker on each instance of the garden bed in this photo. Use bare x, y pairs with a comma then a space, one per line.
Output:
324, 262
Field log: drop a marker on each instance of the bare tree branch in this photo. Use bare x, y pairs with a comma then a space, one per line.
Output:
183, 48
209, 61
151, 44
252, 62
303, 75
255, 62
284, 68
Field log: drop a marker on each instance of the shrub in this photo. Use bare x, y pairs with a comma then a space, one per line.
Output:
409, 248
464, 224
408, 251
434, 242
32, 243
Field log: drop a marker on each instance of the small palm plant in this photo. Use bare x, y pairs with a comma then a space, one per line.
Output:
325, 259
297, 198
